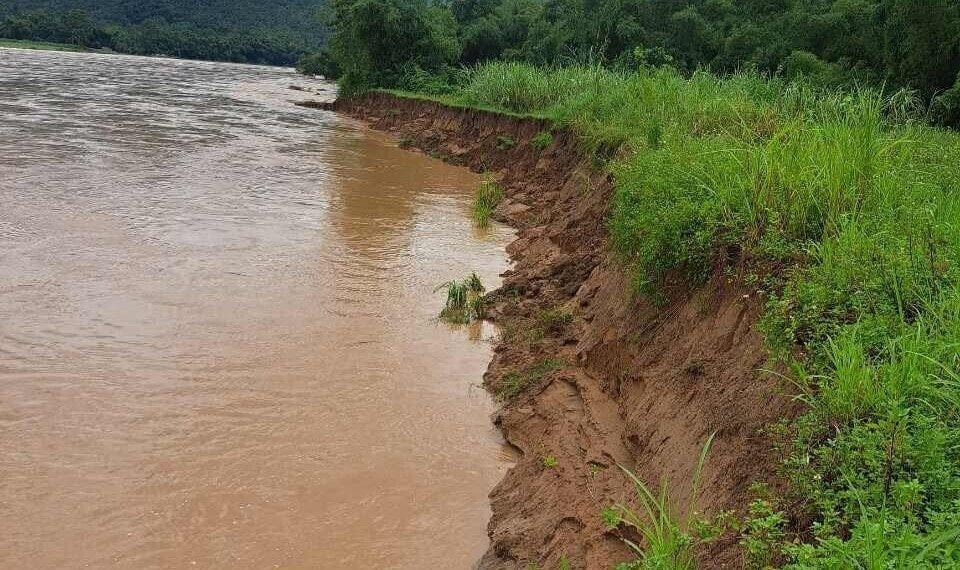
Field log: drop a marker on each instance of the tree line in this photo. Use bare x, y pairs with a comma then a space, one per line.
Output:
894, 44
156, 36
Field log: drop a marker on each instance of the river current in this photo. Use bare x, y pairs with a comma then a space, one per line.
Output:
218, 344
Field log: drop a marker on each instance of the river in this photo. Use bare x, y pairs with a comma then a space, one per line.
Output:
218, 344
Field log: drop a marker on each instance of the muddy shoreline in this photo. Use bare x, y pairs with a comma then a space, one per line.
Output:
607, 378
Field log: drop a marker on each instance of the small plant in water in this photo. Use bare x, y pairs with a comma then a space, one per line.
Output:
485, 200
474, 284
465, 300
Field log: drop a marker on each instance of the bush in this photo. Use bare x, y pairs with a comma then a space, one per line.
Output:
319, 63
946, 106
378, 42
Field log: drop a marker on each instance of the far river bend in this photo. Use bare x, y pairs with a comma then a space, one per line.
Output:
217, 336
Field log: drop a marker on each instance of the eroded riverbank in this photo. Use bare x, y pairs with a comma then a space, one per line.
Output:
608, 379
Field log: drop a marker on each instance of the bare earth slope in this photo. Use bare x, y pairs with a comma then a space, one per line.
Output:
610, 378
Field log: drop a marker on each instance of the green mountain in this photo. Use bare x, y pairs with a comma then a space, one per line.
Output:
261, 31
237, 15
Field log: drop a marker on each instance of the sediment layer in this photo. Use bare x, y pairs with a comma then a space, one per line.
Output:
610, 377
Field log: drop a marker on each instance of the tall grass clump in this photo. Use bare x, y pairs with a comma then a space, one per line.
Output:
848, 208
665, 525
465, 301
486, 198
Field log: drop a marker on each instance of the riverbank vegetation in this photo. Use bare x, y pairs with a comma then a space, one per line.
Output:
28, 44
485, 199
843, 205
811, 163
888, 44
465, 301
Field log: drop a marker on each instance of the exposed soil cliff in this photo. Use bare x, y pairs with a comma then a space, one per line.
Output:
603, 377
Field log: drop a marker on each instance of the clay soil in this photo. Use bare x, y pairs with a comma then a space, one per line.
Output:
610, 378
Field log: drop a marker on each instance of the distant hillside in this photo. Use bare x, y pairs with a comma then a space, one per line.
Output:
236, 15
261, 31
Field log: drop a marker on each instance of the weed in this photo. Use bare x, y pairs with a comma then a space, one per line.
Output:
564, 563
549, 461
485, 200
505, 143
761, 533
541, 140
521, 331
610, 517
665, 527
465, 300
474, 285
513, 383
554, 320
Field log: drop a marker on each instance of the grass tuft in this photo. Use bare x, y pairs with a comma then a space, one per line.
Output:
513, 383
541, 140
486, 198
666, 527
465, 300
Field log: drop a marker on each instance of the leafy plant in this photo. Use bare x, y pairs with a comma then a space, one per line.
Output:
486, 198
505, 142
762, 532
541, 140
665, 526
465, 300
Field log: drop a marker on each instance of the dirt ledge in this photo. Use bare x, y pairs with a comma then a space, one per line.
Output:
611, 379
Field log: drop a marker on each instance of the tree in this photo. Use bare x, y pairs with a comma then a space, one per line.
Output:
377, 42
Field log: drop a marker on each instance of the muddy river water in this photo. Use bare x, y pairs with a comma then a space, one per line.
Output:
217, 336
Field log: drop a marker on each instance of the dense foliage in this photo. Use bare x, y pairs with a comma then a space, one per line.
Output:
854, 200
891, 43
251, 31
391, 43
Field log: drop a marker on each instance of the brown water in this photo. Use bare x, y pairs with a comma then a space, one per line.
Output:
217, 335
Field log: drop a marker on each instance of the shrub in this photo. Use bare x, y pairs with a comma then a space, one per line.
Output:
319, 63
541, 140
485, 200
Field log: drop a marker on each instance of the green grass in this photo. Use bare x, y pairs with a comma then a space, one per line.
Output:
667, 528
486, 198
513, 383
28, 44
465, 301
541, 140
847, 206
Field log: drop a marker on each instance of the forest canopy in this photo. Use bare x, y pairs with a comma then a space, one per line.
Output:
912, 44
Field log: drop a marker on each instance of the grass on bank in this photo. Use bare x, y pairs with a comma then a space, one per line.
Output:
851, 203
667, 528
29, 44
